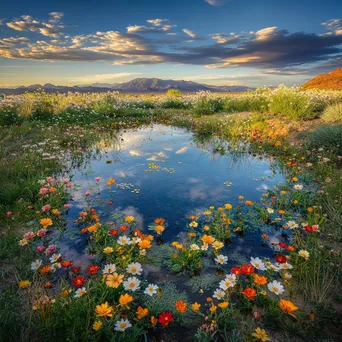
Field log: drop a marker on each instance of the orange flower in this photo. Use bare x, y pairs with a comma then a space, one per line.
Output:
159, 221
141, 312
195, 306
287, 306
154, 320
249, 203
249, 293
125, 299
159, 229
223, 305
192, 218
181, 306
129, 219
114, 280
104, 310
213, 308
259, 280
46, 222
145, 244
110, 181
208, 239
45, 269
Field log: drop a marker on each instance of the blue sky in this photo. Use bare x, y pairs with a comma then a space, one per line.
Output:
229, 42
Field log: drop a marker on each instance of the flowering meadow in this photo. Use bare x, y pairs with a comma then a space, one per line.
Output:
153, 282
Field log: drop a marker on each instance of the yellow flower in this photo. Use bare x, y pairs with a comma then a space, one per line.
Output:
241, 198
195, 306
23, 284
125, 299
249, 203
294, 179
206, 228
207, 212
159, 229
213, 308
111, 181
218, 244
114, 280
46, 222
129, 219
104, 310
97, 325
260, 334
211, 207
287, 306
145, 244
228, 206
208, 239
141, 312
108, 250
223, 305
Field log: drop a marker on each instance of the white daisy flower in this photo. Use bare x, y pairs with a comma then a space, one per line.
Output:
194, 247
132, 283
36, 264
204, 247
270, 210
303, 253
55, 258
109, 268
286, 266
292, 224
80, 292
151, 290
276, 287
124, 240
258, 264
219, 294
221, 259
122, 325
134, 268
298, 186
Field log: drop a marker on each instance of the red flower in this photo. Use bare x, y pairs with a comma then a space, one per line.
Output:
113, 232
247, 269
110, 202
93, 269
66, 263
283, 245
75, 269
123, 228
165, 318
249, 293
280, 258
308, 229
236, 270
78, 281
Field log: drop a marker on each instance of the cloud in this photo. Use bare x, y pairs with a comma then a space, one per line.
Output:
182, 150
189, 33
51, 28
158, 26
104, 77
222, 38
333, 26
13, 41
266, 33
215, 2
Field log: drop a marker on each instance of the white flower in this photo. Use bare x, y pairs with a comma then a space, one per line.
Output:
122, 325
258, 264
219, 294
193, 224
80, 292
304, 254
136, 240
36, 264
286, 266
55, 266
298, 186
142, 252
124, 240
151, 290
228, 282
276, 287
292, 224
134, 268
204, 247
109, 268
132, 283
270, 210
271, 267
221, 259
54, 258
194, 247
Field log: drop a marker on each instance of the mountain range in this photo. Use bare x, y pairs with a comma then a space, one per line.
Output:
332, 80
138, 85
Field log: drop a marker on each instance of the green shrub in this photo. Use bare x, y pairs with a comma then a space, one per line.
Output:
326, 137
333, 113
43, 109
175, 103
9, 115
206, 103
174, 93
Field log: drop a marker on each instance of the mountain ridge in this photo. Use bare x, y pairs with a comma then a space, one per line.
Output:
331, 80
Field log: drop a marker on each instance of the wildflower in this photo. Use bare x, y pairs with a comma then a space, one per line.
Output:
23, 242
204, 247
247, 269
114, 280
280, 258
258, 264
292, 224
124, 240
298, 187
195, 306
134, 268
36, 264
219, 294
249, 203
80, 292
260, 334
129, 219
125, 299
227, 283
108, 250
193, 224
208, 239
29, 235
45, 269
181, 306
159, 221
223, 305
55, 258
228, 206
270, 210
154, 321
110, 181
159, 229
221, 259
145, 244
78, 281
109, 268
93, 269
46, 222
104, 310
304, 254
122, 325
249, 293
259, 280
287, 306
213, 308
241, 198
236, 270
97, 325
23, 284
207, 212
165, 318
217, 245
132, 283
66, 263
194, 247
151, 290
141, 312
276, 287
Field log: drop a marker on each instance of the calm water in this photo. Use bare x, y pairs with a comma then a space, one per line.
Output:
190, 178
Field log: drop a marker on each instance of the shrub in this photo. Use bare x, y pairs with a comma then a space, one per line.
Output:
333, 113
43, 108
174, 102
174, 93
327, 137
9, 114
205, 103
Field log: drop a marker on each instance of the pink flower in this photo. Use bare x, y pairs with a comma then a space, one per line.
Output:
46, 208
43, 191
40, 249
9, 213
328, 180
50, 250
41, 232
29, 235
98, 179
88, 192
339, 158
29, 207
49, 179
67, 206
66, 180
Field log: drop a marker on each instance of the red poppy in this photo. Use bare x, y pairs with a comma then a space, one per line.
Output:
236, 270
283, 245
66, 263
123, 228
249, 293
75, 269
93, 269
280, 258
308, 229
78, 281
247, 269
113, 232
165, 318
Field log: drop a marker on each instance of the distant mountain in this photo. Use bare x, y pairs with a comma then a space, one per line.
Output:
332, 80
138, 85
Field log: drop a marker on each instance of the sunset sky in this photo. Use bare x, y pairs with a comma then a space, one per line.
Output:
223, 42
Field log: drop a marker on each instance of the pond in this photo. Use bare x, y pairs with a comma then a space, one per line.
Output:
168, 172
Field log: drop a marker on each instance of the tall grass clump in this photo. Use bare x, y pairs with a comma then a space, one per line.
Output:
251, 102
292, 103
333, 113
205, 102
329, 137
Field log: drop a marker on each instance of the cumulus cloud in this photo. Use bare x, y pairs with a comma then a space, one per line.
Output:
190, 33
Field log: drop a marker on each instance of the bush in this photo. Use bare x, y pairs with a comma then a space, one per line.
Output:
43, 108
205, 103
333, 113
175, 103
174, 93
326, 137
9, 115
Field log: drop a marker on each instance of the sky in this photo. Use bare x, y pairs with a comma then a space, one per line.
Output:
221, 42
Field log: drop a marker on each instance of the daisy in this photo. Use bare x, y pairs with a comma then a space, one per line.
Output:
226, 284
36, 264
304, 254
298, 187
270, 210
80, 292
109, 268
292, 224
124, 240
122, 325
204, 247
134, 268
151, 290
258, 264
286, 266
219, 294
221, 259
132, 283
193, 224
55, 257
194, 247
276, 287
